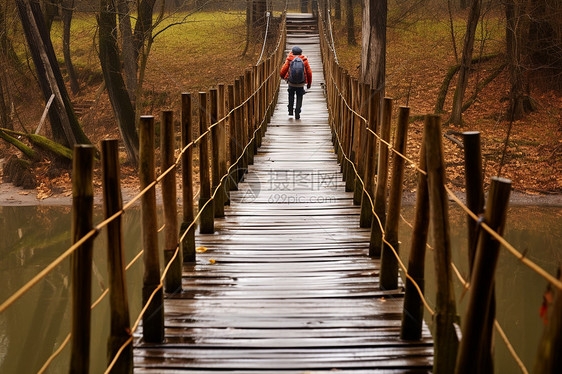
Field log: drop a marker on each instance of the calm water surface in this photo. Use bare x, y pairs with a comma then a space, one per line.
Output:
31, 237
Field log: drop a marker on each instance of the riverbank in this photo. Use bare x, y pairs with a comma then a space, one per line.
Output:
16, 196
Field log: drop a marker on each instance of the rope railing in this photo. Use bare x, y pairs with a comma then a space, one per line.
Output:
16, 295
345, 157
519, 255
266, 83
182, 237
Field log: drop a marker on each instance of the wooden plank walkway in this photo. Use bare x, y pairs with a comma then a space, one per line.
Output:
292, 289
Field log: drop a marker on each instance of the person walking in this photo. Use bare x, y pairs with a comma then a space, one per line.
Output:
296, 71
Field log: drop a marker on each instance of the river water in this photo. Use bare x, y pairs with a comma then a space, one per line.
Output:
32, 236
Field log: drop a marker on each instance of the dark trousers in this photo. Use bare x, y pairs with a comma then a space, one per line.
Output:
300, 92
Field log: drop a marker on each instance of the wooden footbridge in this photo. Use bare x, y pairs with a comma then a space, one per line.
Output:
290, 264
291, 286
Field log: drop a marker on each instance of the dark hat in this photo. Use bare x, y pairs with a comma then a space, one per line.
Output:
296, 51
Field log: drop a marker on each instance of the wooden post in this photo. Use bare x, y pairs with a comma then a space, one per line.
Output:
474, 335
249, 110
169, 200
81, 260
445, 338
366, 217
474, 187
350, 139
238, 99
412, 317
207, 217
475, 202
218, 202
389, 262
224, 194
188, 243
362, 108
255, 110
233, 142
153, 319
120, 330
375, 244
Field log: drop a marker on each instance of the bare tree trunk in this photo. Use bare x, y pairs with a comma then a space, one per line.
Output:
6, 47
248, 26
51, 11
64, 124
373, 44
128, 52
4, 116
259, 15
350, 23
519, 101
143, 27
337, 10
67, 10
468, 48
111, 67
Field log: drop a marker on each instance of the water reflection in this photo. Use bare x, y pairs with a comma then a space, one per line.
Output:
35, 326
534, 230
31, 237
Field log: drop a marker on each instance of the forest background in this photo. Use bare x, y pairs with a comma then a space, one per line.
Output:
118, 59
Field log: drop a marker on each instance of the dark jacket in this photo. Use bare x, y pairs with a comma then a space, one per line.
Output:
285, 70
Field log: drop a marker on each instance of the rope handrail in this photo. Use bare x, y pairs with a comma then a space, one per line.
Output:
520, 256
264, 38
139, 254
90, 235
15, 296
186, 230
465, 284
492, 232
94, 304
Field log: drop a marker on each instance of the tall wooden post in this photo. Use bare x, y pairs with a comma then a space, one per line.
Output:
207, 217
249, 107
412, 317
153, 319
362, 108
169, 200
216, 155
475, 337
238, 99
120, 330
223, 194
366, 217
445, 338
389, 262
233, 141
474, 181
81, 260
375, 244
474, 186
188, 243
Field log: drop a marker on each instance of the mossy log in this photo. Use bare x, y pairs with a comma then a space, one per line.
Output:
449, 76
26, 150
41, 142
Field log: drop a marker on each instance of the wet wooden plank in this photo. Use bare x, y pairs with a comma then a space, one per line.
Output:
285, 284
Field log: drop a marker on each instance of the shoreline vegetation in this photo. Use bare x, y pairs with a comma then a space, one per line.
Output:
419, 56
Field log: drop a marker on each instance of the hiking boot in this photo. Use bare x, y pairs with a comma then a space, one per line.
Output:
298, 116
290, 112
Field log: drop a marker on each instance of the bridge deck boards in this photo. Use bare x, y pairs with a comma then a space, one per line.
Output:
292, 289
